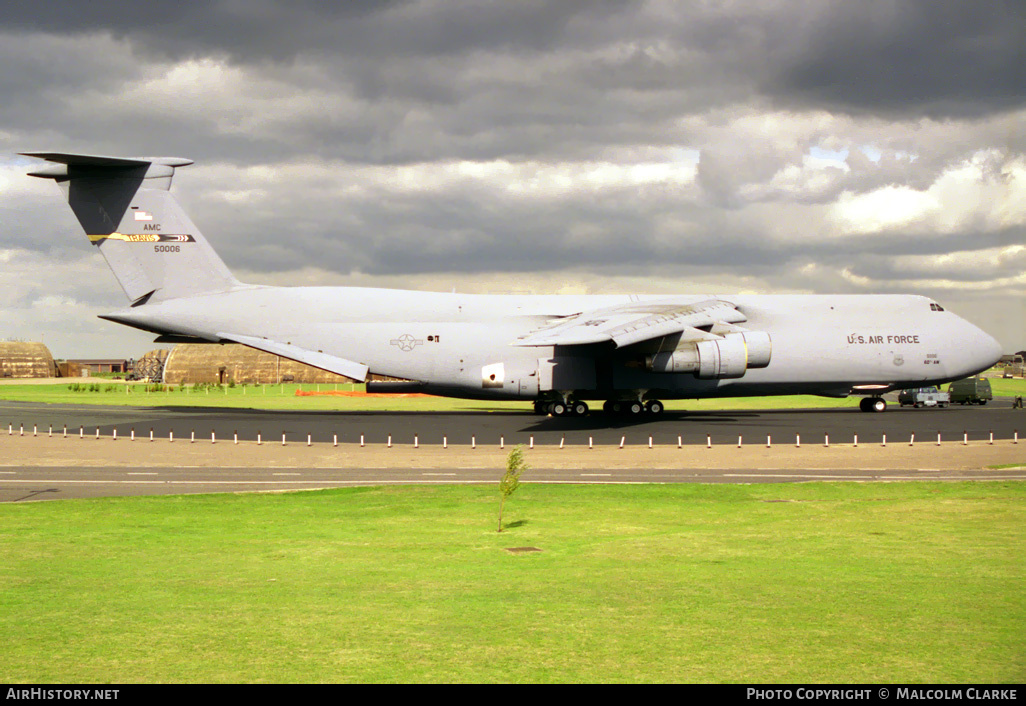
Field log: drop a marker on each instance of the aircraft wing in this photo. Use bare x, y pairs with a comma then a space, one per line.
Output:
632, 322
324, 361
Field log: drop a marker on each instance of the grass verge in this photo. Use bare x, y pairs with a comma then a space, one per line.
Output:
284, 397
683, 583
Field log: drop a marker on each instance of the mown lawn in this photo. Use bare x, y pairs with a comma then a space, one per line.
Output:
913, 582
285, 397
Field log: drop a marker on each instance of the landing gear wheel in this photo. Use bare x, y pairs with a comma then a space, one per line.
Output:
654, 407
873, 404
579, 409
559, 409
635, 408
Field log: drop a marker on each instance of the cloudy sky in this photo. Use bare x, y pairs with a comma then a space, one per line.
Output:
573, 146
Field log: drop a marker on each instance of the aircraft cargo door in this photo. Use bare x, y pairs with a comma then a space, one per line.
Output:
566, 373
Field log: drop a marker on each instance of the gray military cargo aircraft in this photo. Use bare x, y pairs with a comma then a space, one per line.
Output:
558, 351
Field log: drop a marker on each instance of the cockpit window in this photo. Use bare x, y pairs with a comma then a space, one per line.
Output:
936, 307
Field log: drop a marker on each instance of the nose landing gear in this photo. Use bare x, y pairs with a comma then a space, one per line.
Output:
872, 404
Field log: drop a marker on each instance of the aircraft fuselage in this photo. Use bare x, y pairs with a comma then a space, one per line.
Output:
464, 345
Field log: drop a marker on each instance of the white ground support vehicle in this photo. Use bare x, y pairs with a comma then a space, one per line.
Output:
924, 397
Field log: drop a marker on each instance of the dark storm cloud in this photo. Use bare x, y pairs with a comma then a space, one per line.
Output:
257, 31
940, 58
899, 57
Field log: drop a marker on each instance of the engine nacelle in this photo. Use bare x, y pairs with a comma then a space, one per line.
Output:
759, 347
721, 358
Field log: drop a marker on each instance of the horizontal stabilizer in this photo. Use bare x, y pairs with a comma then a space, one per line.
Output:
324, 361
101, 162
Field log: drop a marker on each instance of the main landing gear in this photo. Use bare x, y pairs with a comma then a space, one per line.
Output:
578, 408
633, 408
872, 404
559, 408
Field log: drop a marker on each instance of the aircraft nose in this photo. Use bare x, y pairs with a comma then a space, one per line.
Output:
981, 350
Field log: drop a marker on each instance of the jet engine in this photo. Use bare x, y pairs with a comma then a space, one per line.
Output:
720, 358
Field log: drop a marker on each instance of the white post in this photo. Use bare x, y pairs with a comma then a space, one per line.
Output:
622, 440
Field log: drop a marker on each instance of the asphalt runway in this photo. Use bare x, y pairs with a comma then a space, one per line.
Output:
37, 462
484, 428
20, 484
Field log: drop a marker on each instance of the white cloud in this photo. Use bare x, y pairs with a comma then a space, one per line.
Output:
985, 192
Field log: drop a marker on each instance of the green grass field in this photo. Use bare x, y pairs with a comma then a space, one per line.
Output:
915, 582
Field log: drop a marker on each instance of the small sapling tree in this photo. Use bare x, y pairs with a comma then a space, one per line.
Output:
515, 465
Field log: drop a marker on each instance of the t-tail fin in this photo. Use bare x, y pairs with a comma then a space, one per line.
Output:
151, 245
